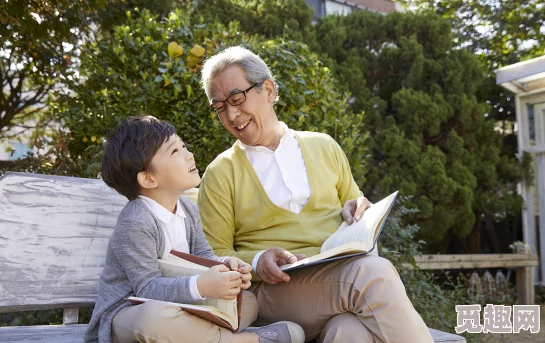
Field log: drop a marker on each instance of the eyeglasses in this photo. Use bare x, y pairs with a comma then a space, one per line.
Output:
234, 99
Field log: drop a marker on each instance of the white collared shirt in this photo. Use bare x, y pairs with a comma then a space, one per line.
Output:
282, 173
175, 234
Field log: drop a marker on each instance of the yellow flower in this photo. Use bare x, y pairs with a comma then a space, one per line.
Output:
197, 50
175, 50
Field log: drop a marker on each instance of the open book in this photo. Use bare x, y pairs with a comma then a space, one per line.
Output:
359, 238
225, 313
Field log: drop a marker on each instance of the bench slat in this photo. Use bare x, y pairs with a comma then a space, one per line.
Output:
53, 236
445, 337
74, 333
43, 333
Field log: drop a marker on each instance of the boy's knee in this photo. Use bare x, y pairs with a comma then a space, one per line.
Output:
153, 314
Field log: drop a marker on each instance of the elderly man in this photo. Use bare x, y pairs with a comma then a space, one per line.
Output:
274, 197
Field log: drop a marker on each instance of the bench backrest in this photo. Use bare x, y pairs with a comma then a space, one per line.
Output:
54, 232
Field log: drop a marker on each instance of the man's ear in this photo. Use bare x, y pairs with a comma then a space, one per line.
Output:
270, 89
146, 180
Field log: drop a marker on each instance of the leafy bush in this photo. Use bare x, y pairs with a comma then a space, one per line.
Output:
435, 300
153, 67
430, 136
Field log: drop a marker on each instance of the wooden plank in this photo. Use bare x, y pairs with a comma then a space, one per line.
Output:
525, 286
475, 261
43, 333
445, 337
74, 333
53, 237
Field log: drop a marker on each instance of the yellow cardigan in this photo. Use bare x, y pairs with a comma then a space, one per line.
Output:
240, 220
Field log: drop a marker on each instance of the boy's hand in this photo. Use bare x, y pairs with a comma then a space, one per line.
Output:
242, 267
219, 282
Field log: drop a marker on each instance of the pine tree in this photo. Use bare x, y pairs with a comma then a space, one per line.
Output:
429, 136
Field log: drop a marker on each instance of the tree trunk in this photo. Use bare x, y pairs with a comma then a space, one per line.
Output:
474, 238
492, 234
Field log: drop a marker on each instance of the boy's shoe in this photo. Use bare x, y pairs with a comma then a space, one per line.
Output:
279, 332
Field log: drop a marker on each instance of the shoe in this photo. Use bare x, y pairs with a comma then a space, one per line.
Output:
279, 332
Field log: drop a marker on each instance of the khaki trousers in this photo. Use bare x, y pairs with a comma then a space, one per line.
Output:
159, 322
359, 299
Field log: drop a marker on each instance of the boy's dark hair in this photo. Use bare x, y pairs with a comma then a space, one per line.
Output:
129, 150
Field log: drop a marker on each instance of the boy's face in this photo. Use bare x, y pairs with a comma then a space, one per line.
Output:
173, 167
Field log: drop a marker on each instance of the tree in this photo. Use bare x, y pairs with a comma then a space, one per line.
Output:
429, 136
290, 19
37, 39
499, 33
40, 47
153, 66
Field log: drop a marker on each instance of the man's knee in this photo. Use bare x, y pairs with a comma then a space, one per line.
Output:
374, 265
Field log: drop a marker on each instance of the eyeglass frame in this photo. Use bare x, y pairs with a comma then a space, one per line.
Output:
244, 92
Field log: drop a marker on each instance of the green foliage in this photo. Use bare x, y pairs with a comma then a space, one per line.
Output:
41, 317
114, 13
290, 19
429, 134
434, 299
54, 158
36, 40
132, 72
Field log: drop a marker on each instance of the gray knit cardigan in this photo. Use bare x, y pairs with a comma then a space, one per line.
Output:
130, 268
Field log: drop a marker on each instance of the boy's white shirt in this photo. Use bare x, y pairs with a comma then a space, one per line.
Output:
175, 234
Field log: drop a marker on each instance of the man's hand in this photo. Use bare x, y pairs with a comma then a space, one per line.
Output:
353, 209
268, 265
219, 282
238, 265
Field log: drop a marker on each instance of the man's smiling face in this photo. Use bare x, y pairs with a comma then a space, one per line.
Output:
251, 121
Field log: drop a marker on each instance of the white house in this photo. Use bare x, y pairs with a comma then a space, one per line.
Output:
323, 8
527, 81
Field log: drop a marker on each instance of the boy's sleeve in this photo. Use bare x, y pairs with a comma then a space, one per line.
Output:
135, 248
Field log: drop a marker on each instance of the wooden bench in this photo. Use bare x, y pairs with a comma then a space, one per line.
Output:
54, 232
524, 264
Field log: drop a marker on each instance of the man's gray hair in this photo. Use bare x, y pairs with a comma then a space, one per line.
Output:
254, 67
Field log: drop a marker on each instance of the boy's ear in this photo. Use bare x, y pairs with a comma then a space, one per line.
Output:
146, 180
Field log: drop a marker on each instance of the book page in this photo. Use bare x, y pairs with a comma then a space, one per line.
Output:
345, 249
182, 262
174, 269
228, 307
364, 230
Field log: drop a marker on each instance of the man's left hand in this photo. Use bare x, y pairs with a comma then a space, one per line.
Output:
236, 264
353, 209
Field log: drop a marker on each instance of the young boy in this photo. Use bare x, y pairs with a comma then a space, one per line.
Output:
148, 163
